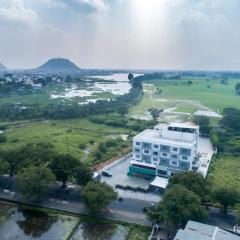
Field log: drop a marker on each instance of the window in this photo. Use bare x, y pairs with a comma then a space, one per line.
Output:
155, 159
146, 145
137, 150
165, 148
174, 163
184, 165
155, 153
185, 151
184, 158
175, 149
146, 151
155, 146
137, 156
174, 156
146, 158
161, 172
138, 143
164, 154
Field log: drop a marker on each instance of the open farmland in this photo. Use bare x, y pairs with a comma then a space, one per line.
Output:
183, 98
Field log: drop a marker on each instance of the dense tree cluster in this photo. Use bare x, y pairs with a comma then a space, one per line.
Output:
227, 136
237, 88
204, 124
35, 164
178, 206
186, 196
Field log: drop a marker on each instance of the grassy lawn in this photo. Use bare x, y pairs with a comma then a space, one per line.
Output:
66, 135
216, 97
187, 98
225, 171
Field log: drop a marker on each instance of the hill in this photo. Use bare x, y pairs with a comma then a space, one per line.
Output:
59, 65
2, 67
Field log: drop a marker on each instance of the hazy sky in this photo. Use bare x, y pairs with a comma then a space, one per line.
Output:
142, 34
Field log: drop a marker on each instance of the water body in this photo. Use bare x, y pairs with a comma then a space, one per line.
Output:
28, 224
100, 231
25, 224
120, 86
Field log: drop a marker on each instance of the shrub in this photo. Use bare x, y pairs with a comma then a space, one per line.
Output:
3, 138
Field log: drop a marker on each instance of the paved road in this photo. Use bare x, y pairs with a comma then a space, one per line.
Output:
129, 210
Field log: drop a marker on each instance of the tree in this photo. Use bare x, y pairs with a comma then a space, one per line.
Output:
214, 138
33, 181
155, 113
36, 153
97, 196
193, 182
64, 166
84, 174
123, 110
237, 88
158, 91
204, 124
226, 196
237, 208
178, 206
3, 138
11, 156
4, 166
130, 77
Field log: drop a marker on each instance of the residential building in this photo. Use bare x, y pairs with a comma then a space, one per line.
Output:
165, 150
200, 231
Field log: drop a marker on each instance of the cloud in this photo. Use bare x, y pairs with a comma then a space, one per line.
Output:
83, 6
18, 13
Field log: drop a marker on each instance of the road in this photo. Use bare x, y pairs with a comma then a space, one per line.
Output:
129, 210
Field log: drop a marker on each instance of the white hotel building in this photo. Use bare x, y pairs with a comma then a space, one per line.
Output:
165, 150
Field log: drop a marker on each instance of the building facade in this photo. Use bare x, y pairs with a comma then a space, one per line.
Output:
165, 150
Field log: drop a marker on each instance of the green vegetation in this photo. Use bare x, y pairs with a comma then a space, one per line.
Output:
109, 149
97, 196
155, 113
65, 167
225, 172
65, 135
226, 196
187, 97
178, 206
33, 181
193, 182
138, 233
227, 136
198, 91
63, 110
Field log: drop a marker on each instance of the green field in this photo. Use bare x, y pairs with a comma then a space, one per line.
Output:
187, 98
66, 135
43, 96
225, 171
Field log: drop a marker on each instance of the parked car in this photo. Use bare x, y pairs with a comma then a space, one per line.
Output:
145, 209
106, 174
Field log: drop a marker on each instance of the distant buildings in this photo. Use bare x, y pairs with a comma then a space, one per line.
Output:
169, 149
200, 231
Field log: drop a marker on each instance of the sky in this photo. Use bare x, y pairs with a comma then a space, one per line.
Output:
122, 34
